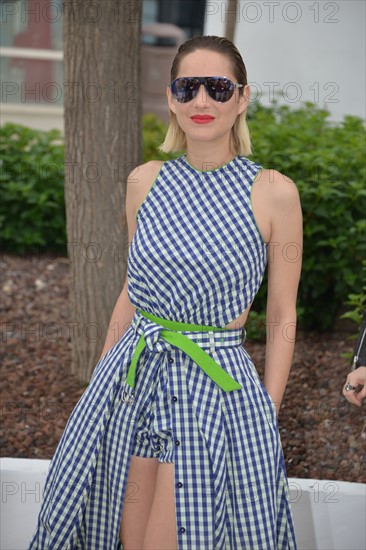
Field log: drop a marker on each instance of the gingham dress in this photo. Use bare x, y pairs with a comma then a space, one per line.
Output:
197, 257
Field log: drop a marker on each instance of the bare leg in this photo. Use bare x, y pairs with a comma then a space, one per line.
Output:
141, 483
161, 530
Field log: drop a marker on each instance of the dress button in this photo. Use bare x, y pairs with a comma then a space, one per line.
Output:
222, 339
171, 360
182, 530
179, 484
177, 442
175, 398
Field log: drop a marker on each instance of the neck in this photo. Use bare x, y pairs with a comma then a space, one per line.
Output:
207, 156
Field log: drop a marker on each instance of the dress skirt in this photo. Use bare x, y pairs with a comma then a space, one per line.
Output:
230, 482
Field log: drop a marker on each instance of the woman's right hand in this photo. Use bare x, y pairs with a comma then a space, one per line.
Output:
355, 378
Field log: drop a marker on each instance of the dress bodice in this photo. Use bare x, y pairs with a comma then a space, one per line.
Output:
197, 255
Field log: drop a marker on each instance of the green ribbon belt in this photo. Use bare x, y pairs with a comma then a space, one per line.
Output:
203, 359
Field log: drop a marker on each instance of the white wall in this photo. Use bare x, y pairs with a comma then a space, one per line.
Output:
40, 117
318, 46
328, 514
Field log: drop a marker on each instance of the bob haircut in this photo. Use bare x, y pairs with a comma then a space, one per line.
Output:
175, 139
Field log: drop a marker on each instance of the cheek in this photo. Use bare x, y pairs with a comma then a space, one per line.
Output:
180, 113
229, 116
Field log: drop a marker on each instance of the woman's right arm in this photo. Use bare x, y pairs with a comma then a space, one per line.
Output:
123, 310
138, 183
121, 319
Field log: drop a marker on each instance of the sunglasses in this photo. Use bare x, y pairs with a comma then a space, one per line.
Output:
219, 88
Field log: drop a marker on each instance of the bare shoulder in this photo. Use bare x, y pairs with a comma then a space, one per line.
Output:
144, 173
274, 198
279, 187
285, 211
139, 182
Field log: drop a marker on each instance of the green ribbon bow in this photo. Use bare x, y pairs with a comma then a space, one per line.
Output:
199, 356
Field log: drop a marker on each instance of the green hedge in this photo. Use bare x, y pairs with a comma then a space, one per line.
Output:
32, 211
326, 161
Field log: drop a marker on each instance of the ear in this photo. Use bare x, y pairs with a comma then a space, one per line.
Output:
244, 99
171, 100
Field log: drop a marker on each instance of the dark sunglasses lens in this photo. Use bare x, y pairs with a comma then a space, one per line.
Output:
220, 89
185, 89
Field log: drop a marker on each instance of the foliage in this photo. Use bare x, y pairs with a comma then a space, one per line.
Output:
32, 211
358, 306
325, 160
357, 301
255, 327
154, 131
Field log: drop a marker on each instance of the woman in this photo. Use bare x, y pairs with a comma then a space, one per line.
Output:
175, 410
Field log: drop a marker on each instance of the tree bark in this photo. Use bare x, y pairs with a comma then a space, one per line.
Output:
231, 12
102, 146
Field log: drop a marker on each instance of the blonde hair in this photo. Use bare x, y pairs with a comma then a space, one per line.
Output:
175, 139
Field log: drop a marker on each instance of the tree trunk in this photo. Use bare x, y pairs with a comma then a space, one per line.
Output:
102, 145
231, 12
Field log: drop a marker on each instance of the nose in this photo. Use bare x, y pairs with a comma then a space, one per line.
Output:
201, 96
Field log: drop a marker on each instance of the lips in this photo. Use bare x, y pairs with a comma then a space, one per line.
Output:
202, 119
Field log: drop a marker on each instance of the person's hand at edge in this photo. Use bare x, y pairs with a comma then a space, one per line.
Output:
355, 378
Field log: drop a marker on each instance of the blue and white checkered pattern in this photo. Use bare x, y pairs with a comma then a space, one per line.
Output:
231, 489
197, 255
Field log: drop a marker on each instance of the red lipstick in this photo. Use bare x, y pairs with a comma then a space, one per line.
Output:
202, 119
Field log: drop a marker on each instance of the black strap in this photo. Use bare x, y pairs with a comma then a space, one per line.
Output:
359, 353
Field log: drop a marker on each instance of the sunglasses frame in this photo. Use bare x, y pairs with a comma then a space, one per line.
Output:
203, 81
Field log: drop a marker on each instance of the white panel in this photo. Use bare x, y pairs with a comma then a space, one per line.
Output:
313, 51
328, 514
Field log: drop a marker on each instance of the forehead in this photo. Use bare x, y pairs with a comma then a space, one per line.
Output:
205, 63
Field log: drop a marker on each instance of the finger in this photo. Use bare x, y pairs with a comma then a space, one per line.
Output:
353, 400
351, 397
355, 379
358, 401
361, 394
348, 388
357, 376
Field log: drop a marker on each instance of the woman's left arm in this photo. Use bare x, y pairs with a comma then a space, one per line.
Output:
284, 269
